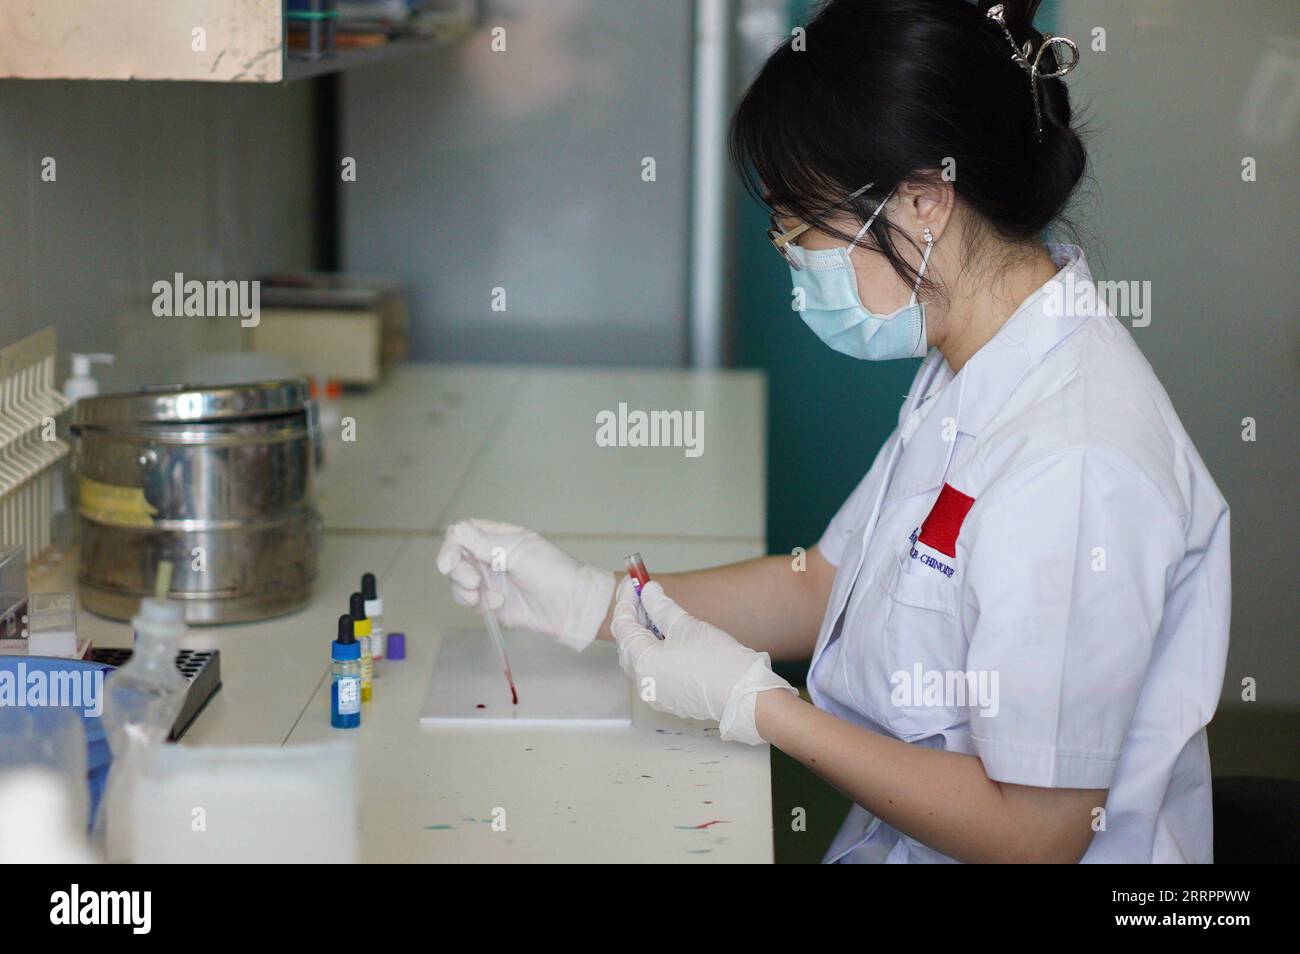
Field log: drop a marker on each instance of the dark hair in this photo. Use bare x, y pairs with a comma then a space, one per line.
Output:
886, 90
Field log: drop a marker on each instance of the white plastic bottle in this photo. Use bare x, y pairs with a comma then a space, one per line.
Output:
82, 384
375, 613
142, 700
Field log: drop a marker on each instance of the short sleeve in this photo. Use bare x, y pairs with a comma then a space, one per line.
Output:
1066, 573
854, 511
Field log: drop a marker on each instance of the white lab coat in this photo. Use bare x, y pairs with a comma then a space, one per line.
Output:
1077, 565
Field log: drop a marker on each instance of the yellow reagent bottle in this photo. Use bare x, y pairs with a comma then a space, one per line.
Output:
357, 604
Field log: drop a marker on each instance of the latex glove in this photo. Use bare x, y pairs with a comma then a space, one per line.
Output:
698, 671
531, 583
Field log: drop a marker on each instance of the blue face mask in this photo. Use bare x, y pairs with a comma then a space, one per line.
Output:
833, 309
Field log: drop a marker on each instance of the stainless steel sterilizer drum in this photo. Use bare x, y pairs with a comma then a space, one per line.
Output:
218, 480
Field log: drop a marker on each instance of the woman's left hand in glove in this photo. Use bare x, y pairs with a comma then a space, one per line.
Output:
696, 671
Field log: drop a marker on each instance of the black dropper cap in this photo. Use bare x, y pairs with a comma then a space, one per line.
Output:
347, 631
368, 587
357, 604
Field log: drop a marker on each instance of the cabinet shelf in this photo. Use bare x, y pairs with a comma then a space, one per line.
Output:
296, 68
223, 41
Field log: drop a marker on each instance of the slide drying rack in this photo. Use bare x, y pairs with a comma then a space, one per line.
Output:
30, 448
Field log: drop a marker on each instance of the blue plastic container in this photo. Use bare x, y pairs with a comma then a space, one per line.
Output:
98, 753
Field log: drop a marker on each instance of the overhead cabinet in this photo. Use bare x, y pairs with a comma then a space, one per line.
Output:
230, 41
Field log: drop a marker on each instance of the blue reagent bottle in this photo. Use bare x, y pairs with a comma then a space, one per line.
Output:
345, 687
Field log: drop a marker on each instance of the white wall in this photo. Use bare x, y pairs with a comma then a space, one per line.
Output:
152, 178
521, 170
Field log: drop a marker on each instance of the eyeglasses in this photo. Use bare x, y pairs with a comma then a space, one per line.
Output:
781, 239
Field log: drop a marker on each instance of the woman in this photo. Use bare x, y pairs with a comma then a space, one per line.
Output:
1018, 620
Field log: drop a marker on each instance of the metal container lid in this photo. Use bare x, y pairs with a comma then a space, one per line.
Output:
188, 403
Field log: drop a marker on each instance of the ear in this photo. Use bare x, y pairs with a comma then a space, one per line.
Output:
924, 201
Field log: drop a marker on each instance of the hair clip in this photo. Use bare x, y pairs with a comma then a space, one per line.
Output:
1021, 55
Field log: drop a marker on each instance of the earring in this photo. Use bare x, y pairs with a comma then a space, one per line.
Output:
928, 236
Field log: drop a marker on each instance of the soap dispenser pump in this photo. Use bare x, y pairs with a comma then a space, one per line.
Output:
81, 384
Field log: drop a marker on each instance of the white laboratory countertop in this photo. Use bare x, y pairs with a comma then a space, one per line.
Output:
438, 442
515, 444
417, 440
615, 794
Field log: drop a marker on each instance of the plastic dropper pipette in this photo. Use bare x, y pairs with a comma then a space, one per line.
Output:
498, 640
